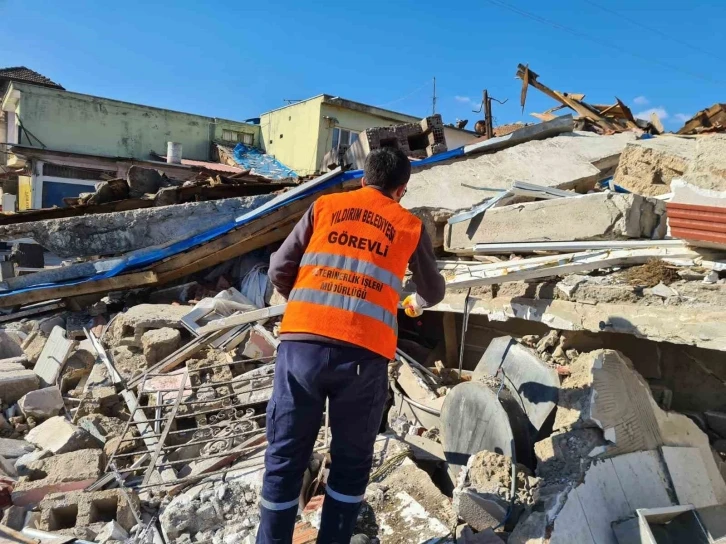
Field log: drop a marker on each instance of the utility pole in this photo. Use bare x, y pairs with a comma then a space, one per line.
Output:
433, 105
488, 115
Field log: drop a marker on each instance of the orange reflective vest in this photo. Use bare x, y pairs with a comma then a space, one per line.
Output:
351, 275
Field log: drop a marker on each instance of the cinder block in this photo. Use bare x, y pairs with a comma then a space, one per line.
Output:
59, 435
74, 513
58, 474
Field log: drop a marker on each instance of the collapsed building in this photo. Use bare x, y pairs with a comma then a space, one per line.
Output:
569, 388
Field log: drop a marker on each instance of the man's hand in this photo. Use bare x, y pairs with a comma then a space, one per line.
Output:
411, 306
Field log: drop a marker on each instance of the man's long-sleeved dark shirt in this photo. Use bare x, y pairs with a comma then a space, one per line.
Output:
285, 263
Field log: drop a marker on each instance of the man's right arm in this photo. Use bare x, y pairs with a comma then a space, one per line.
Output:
285, 262
430, 284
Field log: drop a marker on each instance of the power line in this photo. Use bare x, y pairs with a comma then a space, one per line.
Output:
620, 15
584, 36
428, 82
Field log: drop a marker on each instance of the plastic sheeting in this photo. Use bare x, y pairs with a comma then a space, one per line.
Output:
261, 164
145, 257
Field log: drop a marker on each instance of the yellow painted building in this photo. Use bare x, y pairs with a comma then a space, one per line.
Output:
300, 135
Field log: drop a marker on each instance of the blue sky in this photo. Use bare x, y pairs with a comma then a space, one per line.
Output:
238, 59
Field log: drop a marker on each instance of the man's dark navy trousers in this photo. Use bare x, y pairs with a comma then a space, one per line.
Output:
355, 380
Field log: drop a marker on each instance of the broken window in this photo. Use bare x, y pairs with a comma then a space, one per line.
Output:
235, 136
343, 137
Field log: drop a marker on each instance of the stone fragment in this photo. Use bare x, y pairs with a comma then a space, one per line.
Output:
130, 326
33, 345
58, 435
480, 510
531, 529
597, 216
42, 404
111, 531
58, 474
22, 462
98, 377
7, 467
159, 343
488, 536
12, 449
9, 347
15, 383
647, 167
707, 168
14, 518
54, 355
536, 385
141, 181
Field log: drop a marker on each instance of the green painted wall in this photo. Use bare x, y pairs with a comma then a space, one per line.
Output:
78, 123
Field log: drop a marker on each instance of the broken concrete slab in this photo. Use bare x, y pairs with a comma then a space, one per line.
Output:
591, 507
597, 216
692, 482
531, 529
15, 383
160, 343
14, 517
536, 384
647, 167
707, 168
58, 474
474, 418
566, 161
401, 516
55, 353
97, 234
112, 531
42, 404
22, 462
129, 327
59, 435
12, 449
8, 346
480, 510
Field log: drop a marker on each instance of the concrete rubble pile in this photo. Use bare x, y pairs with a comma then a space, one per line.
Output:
569, 388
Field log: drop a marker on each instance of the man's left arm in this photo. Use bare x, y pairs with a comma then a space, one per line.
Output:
285, 262
430, 284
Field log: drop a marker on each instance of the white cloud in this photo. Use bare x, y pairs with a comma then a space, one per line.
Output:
682, 117
660, 111
641, 101
463, 99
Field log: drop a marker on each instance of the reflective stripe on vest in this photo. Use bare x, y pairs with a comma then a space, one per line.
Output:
356, 266
345, 302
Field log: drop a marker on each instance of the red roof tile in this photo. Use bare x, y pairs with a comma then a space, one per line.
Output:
21, 73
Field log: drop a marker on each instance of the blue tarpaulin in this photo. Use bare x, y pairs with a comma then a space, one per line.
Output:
145, 257
259, 163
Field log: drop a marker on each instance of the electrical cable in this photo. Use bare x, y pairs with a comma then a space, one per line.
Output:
620, 15
406, 96
584, 36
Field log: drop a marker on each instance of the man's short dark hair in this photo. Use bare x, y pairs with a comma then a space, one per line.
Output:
387, 168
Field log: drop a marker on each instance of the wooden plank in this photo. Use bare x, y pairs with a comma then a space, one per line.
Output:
450, 340
118, 283
571, 263
242, 319
245, 245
